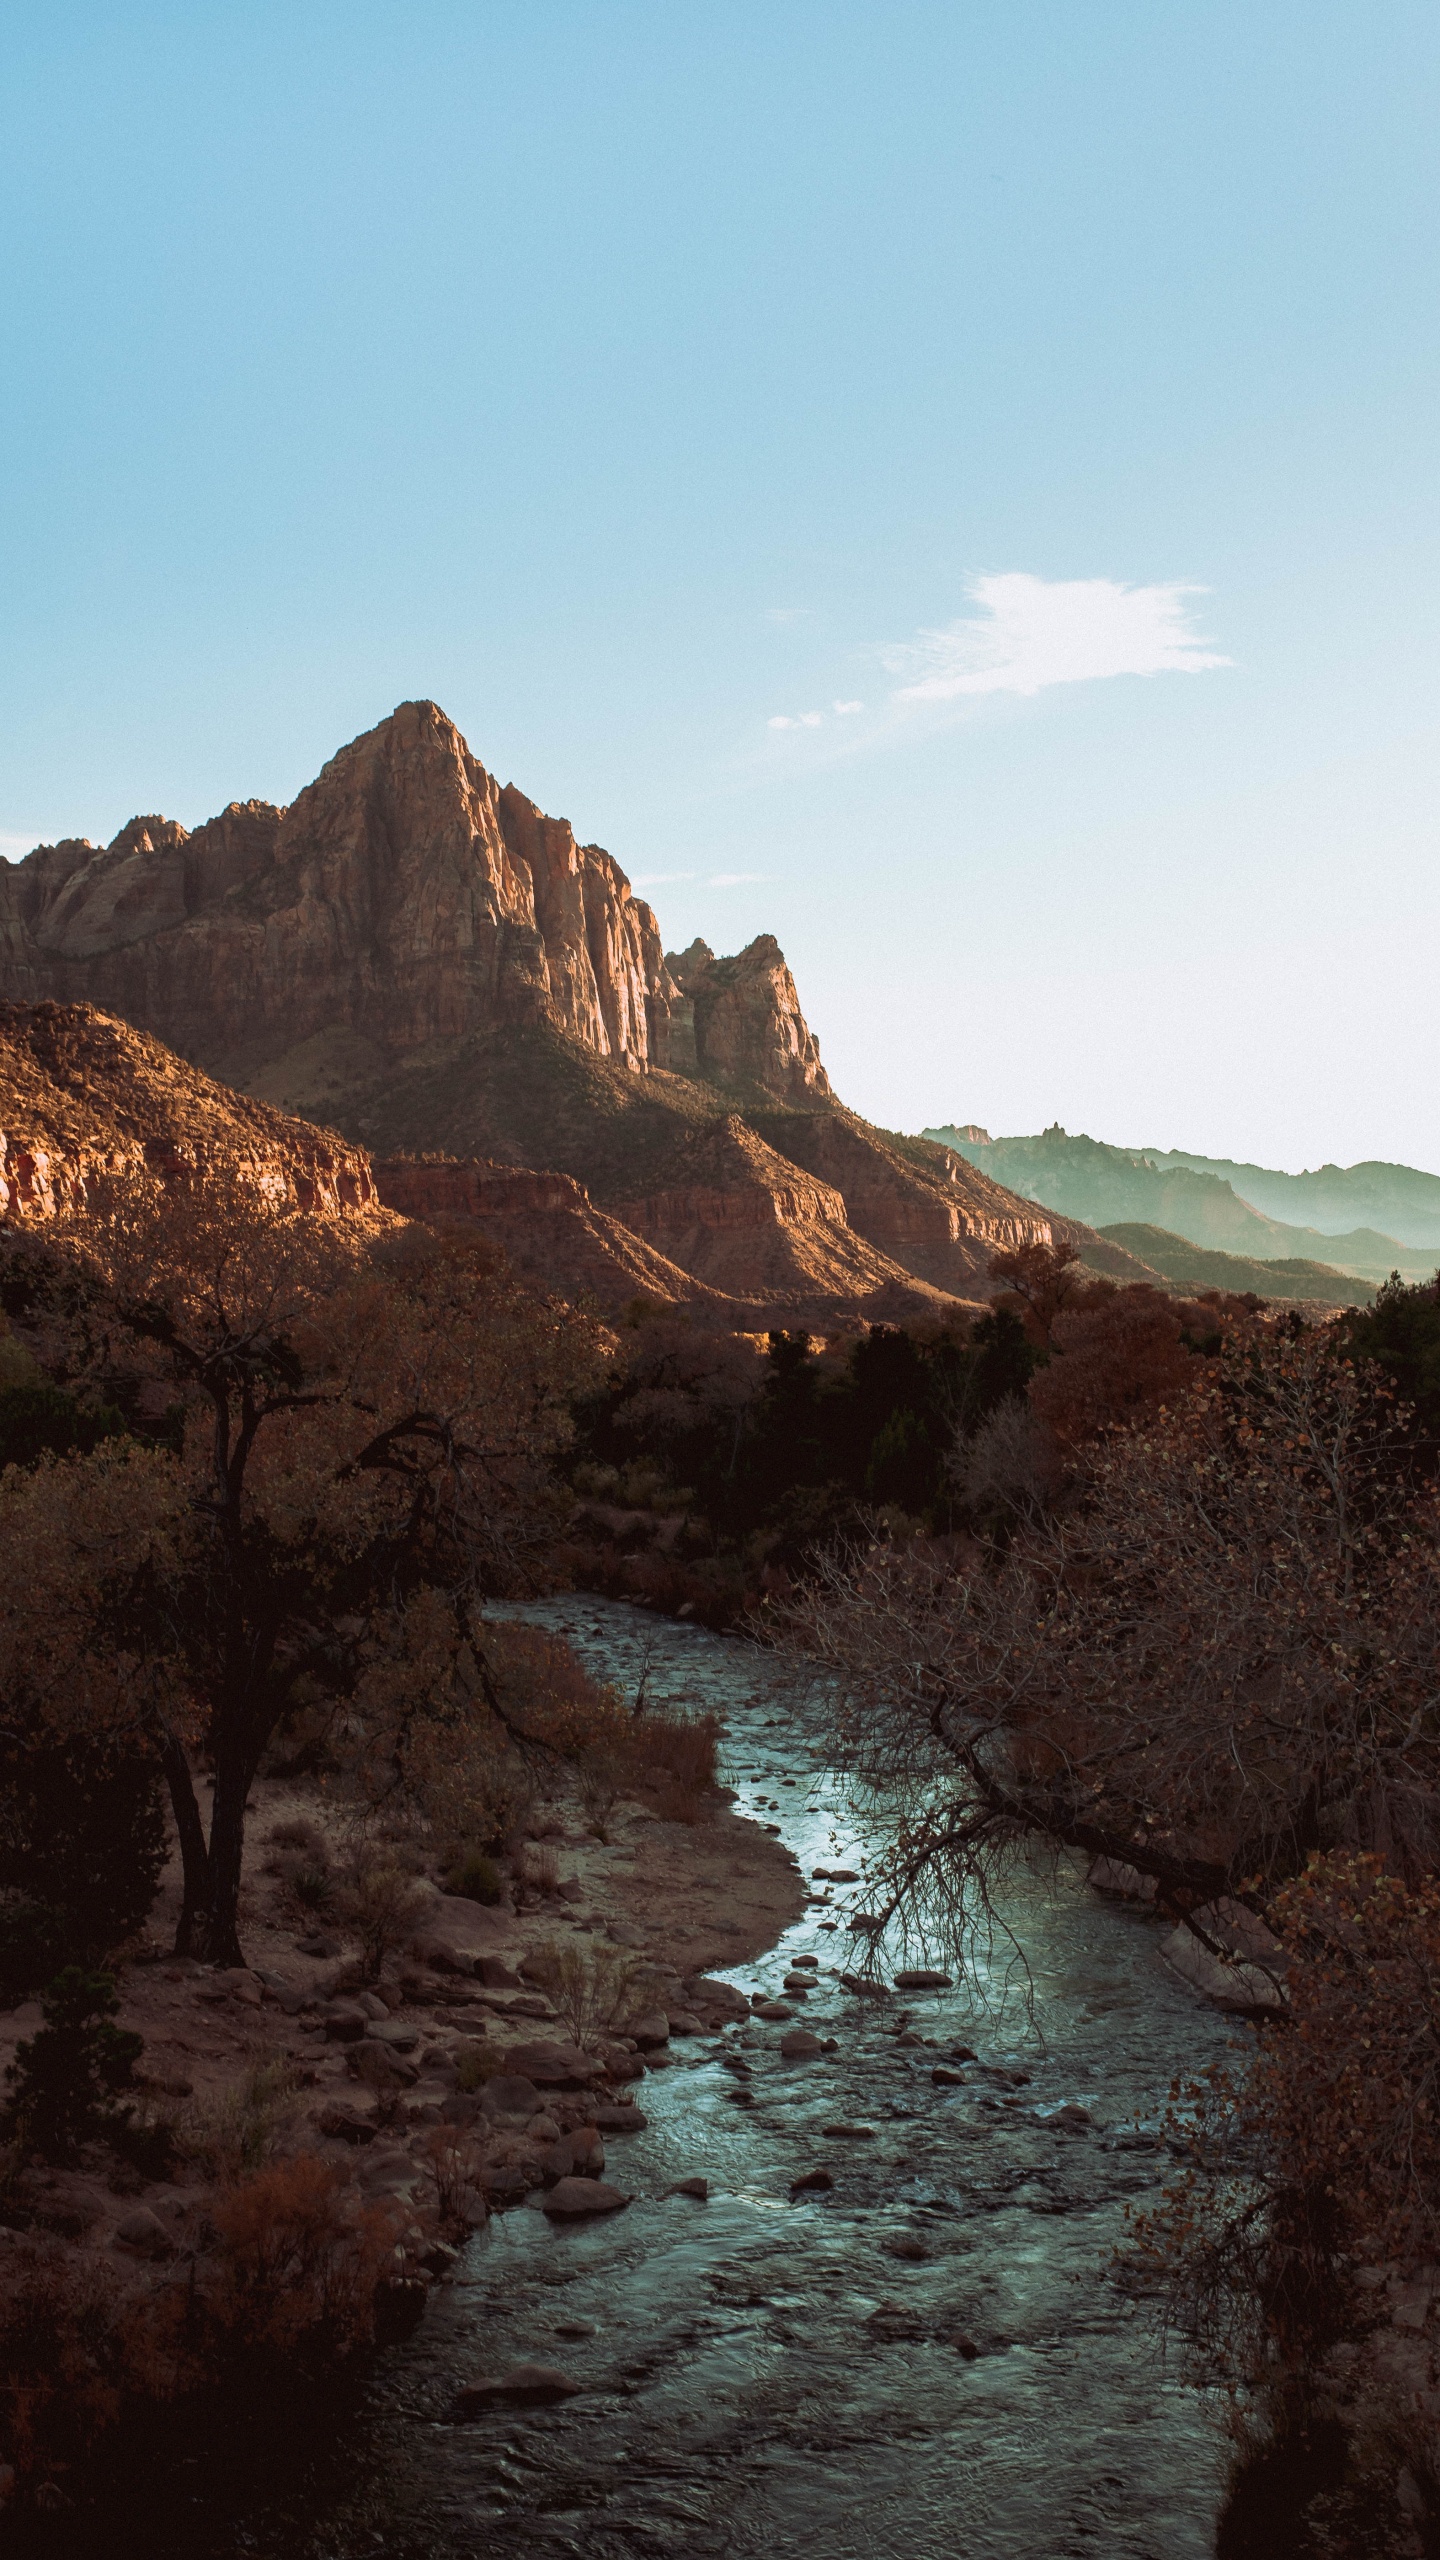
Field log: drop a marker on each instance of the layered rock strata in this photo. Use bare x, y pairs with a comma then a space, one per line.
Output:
86, 1102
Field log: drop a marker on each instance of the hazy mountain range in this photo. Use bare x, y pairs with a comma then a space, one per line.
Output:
1364, 1219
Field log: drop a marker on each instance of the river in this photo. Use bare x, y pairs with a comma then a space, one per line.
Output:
767, 2376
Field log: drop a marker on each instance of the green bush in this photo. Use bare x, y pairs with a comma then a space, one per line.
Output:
64, 2078
476, 1877
82, 1845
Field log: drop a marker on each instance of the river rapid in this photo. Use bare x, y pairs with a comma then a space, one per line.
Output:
768, 2376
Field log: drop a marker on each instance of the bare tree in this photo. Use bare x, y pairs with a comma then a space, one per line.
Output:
1222, 1658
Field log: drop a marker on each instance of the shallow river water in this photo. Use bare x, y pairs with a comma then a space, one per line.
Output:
762, 2376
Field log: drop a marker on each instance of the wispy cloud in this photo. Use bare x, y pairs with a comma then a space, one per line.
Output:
732, 879
799, 720
658, 879
846, 710
1034, 632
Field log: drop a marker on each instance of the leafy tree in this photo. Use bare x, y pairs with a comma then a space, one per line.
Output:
357, 1429
41, 1420
1401, 1334
64, 2078
82, 1846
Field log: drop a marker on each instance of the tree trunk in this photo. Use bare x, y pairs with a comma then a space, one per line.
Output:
227, 1849
194, 1856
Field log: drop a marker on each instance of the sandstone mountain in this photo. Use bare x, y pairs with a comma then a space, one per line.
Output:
417, 957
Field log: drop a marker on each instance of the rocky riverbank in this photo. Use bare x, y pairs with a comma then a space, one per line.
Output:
445, 2087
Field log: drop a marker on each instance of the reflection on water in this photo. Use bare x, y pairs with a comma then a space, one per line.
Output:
925, 2360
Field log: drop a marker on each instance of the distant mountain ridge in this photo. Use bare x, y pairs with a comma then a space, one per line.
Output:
1106, 1186
1397, 1198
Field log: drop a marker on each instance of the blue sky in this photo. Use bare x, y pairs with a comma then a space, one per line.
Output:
951, 485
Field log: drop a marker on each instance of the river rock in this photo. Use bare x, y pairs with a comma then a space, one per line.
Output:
799, 2045
923, 1978
510, 2093
848, 2132
523, 2386
1248, 1974
145, 2233
862, 1988
620, 2119
574, 2197
773, 2009
552, 2065
716, 2000
697, 2187
580, 2154
682, 2024
344, 2123
946, 2078
651, 2030
812, 2180
1114, 1876
806, 1964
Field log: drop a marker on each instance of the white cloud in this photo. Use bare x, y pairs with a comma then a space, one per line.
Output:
802, 720
732, 879
658, 879
844, 710
1042, 631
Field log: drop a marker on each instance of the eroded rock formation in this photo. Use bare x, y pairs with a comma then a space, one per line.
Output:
86, 1101
420, 958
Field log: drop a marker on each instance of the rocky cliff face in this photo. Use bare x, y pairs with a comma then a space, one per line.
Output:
740, 1025
404, 899
421, 959
86, 1102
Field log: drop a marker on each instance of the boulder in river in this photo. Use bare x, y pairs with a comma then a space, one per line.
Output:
620, 2119
773, 2009
575, 2197
522, 2386
923, 1978
699, 2188
812, 2180
798, 2045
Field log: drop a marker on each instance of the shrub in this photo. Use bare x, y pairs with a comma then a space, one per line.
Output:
382, 1904
474, 2064
679, 1763
72, 2347
595, 1990
65, 2076
82, 1845
476, 1877
232, 2133
301, 2260
457, 2165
